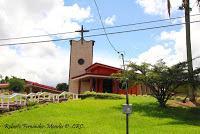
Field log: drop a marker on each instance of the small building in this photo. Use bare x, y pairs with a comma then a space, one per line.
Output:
86, 76
33, 87
97, 78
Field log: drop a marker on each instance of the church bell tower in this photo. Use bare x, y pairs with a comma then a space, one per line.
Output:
81, 57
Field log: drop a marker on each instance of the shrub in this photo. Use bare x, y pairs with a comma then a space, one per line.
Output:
16, 84
30, 104
101, 95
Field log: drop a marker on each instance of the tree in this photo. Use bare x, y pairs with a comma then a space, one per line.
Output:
1, 77
161, 79
186, 6
62, 87
5, 80
16, 84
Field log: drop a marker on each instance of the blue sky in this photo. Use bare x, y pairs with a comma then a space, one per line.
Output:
126, 12
48, 63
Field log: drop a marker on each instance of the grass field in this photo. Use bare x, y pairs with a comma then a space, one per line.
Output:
95, 116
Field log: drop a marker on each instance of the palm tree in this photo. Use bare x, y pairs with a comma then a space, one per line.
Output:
186, 6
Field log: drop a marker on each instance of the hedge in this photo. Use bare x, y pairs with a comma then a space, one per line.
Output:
95, 95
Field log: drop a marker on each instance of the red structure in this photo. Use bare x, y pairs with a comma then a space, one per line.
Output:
34, 87
98, 77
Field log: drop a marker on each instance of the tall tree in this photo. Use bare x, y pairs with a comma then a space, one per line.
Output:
62, 87
5, 80
16, 84
159, 78
186, 7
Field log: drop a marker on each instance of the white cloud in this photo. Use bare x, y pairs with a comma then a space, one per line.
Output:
156, 53
108, 60
159, 7
110, 20
42, 66
45, 63
176, 52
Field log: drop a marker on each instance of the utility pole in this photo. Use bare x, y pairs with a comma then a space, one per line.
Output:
189, 50
186, 6
127, 108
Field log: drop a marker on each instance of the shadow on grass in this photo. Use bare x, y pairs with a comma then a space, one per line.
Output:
190, 116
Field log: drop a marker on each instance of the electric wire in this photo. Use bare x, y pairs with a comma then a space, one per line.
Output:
96, 29
113, 47
101, 34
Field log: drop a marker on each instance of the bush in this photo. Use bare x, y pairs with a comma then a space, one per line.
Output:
101, 95
16, 84
30, 104
62, 87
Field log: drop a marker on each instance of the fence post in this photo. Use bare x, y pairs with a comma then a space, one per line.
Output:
49, 97
38, 98
53, 97
20, 100
2, 102
8, 105
58, 97
25, 100
16, 100
31, 98
43, 96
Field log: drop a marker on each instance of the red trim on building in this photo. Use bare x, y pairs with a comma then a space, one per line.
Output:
37, 85
99, 70
97, 75
44, 87
4, 85
102, 65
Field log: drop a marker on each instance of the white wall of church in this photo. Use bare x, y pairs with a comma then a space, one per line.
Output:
85, 86
79, 50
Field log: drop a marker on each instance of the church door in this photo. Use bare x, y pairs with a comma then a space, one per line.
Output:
107, 86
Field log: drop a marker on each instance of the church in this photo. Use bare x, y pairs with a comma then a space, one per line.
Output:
84, 75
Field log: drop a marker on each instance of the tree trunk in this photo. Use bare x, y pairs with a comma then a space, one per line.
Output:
162, 103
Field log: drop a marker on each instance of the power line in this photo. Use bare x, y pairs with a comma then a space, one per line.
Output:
33, 36
113, 47
102, 34
96, 29
144, 22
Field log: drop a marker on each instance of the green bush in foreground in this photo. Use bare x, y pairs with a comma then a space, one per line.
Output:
88, 94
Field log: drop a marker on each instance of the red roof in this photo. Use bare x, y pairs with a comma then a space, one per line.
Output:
41, 86
102, 65
48, 88
99, 70
91, 75
4, 85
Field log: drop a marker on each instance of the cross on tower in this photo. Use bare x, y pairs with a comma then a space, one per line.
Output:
82, 31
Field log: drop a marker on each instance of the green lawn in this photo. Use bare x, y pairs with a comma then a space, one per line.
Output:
102, 117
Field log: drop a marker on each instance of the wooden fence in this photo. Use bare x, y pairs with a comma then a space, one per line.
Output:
19, 100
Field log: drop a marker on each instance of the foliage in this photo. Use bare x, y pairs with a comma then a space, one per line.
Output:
161, 79
16, 84
30, 103
5, 80
88, 94
62, 87
1, 77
